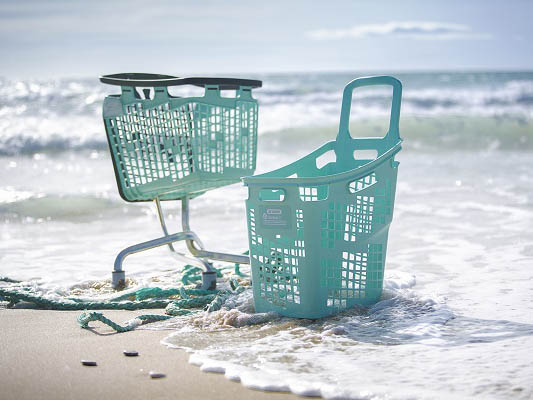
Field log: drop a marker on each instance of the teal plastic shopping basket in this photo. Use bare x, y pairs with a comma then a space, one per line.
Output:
171, 147
318, 236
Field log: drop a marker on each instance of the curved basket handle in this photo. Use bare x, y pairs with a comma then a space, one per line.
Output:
394, 131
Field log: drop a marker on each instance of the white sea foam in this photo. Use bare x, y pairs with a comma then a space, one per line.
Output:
352, 354
303, 356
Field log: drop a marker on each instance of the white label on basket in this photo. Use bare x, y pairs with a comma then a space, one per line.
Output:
275, 217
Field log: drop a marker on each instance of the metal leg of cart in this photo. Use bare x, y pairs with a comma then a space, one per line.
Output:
209, 275
200, 256
198, 252
202, 252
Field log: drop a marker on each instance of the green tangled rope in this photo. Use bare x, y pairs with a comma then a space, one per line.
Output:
85, 318
237, 270
221, 298
16, 296
147, 293
211, 302
191, 301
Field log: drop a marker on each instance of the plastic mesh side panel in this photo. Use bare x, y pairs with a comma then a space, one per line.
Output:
223, 137
156, 148
313, 193
278, 263
346, 221
354, 276
362, 183
153, 144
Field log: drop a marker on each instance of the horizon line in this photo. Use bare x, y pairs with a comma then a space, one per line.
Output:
291, 72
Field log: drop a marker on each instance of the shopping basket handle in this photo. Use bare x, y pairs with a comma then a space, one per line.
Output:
394, 131
157, 80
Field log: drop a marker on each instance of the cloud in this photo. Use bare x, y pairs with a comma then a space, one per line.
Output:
423, 30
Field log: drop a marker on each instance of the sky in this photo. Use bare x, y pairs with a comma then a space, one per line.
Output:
69, 38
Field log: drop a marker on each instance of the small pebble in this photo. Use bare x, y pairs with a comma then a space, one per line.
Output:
156, 375
131, 353
88, 363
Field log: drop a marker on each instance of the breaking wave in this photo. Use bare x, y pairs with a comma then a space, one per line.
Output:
59, 115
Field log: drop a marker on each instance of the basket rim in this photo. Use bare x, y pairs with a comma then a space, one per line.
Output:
352, 174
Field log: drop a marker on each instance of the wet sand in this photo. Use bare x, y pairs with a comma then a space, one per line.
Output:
40, 354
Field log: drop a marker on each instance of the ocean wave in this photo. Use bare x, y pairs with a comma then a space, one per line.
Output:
420, 133
59, 115
446, 133
39, 207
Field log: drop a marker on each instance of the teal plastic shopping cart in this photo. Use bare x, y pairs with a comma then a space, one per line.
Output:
176, 148
318, 236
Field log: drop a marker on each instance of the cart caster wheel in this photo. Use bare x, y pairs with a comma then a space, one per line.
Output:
118, 280
209, 280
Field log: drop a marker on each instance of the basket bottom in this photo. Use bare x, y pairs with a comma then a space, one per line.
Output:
261, 305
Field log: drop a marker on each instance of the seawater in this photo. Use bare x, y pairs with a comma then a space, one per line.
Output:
456, 317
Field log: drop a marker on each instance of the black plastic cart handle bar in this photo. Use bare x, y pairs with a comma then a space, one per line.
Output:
144, 80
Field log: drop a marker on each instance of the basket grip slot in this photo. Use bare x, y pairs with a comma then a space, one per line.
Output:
365, 154
272, 194
393, 134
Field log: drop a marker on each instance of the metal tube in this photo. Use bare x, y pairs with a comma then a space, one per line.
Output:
185, 214
161, 215
136, 248
162, 221
191, 239
201, 252
119, 276
213, 255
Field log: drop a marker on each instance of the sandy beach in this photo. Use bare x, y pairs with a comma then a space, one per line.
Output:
40, 353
